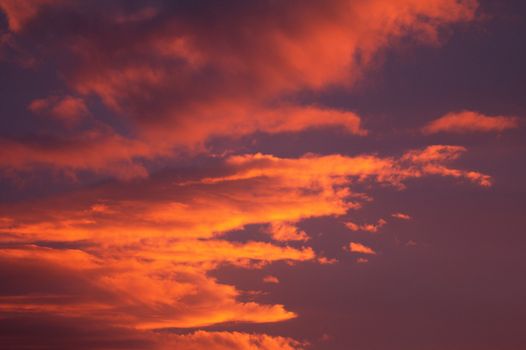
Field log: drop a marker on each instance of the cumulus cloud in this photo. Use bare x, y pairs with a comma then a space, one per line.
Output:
469, 121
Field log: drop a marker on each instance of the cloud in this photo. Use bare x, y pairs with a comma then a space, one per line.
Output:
282, 231
401, 216
90, 334
336, 169
139, 255
101, 150
234, 341
270, 279
361, 249
149, 245
245, 189
431, 160
179, 75
67, 109
128, 257
19, 12
141, 288
469, 121
366, 227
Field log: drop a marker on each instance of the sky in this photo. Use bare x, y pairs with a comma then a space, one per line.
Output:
263, 174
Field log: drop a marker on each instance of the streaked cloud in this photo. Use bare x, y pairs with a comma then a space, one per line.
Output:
270, 279
177, 84
470, 121
183, 212
148, 246
366, 227
248, 189
401, 216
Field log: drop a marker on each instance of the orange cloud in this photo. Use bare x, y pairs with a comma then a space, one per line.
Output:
337, 169
256, 189
366, 227
282, 231
360, 248
141, 252
203, 340
232, 341
139, 288
469, 121
101, 150
136, 256
431, 161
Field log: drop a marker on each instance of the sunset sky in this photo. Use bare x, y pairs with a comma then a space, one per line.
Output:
263, 174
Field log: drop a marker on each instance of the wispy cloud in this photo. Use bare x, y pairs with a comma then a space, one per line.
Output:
366, 227
143, 85
469, 121
178, 83
401, 216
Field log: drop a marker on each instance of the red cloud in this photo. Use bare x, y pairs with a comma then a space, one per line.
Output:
67, 109
401, 216
270, 279
139, 256
468, 121
180, 75
19, 12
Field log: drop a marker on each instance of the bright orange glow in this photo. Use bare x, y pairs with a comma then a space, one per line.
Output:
257, 175
360, 248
